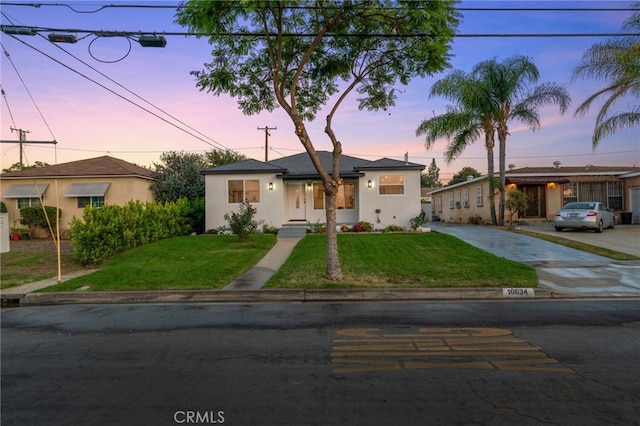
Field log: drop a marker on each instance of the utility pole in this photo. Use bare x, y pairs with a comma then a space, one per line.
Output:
22, 138
266, 140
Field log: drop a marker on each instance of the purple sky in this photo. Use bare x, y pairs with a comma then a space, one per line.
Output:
89, 121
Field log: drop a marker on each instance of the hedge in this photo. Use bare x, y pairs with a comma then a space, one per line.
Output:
112, 229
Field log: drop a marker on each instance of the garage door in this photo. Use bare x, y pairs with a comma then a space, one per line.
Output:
635, 205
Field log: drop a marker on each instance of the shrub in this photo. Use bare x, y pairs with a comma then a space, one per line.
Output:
393, 228
316, 228
3, 207
243, 223
112, 229
267, 229
34, 217
418, 221
345, 228
365, 226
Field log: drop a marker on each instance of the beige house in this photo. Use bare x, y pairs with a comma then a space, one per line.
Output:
95, 181
547, 190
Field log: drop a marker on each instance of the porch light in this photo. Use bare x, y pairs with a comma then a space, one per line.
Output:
309, 185
270, 186
369, 184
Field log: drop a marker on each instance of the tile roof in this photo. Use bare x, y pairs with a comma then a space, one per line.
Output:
99, 166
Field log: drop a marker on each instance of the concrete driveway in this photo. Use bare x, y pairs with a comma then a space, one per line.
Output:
558, 267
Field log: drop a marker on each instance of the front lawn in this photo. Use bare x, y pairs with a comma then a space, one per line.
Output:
185, 263
400, 260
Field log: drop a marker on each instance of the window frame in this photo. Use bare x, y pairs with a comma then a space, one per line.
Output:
245, 192
319, 196
383, 187
96, 201
33, 202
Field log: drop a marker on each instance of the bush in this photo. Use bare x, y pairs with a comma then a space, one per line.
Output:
3, 207
267, 229
243, 223
316, 228
393, 228
34, 217
112, 229
418, 221
362, 226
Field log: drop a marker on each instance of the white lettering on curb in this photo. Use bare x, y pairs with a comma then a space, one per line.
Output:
198, 417
518, 292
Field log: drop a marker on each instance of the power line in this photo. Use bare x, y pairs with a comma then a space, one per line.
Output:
117, 94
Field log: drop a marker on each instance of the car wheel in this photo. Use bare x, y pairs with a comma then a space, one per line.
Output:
559, 229
599, 228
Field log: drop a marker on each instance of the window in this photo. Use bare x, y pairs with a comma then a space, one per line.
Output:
458, 199
451, 200
241, 191
608, 193
345, 198
28, 202
90, 201
391, 185
465, 197
439, 203
479, 195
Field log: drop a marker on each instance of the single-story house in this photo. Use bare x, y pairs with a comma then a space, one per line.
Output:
547, 190
95, 182
288, 191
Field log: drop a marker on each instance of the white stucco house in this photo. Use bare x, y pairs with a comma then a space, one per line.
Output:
288, 191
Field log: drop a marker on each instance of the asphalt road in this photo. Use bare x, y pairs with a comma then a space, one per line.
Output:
490, 363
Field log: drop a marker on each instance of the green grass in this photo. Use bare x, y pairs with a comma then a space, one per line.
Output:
421, 260
185, 263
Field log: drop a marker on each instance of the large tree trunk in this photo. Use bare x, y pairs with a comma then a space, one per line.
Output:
334, 270
492, 187
330, 184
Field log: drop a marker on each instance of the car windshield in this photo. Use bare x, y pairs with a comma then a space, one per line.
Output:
579, 206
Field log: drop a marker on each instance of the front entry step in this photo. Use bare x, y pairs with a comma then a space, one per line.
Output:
292, 232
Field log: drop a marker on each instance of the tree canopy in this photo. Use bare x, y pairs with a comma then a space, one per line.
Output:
463, 175
618, 62
305, 56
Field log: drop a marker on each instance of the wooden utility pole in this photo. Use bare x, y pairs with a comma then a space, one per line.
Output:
22, 138
266, 140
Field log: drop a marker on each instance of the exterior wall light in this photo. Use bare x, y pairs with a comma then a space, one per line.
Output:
369, 184
152, 41
309, 185
270, 186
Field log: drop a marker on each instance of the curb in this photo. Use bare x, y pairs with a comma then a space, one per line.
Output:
281, 295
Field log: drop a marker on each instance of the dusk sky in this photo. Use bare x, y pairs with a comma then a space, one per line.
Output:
89, 121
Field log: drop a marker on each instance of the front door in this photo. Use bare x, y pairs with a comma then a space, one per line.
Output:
536, 200
296, 201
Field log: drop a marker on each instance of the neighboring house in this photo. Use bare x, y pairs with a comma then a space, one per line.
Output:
95, 181
547, 190
288, 191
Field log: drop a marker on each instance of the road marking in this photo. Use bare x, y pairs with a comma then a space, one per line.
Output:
369, 349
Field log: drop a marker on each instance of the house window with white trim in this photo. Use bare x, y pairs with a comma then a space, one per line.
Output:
465, 197
391, 185
439, 203
451, 205
28, 202
458, 199
345, 198
479, 195
243, 190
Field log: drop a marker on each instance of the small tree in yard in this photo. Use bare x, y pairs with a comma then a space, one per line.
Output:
243, 223
516, 202
304, 55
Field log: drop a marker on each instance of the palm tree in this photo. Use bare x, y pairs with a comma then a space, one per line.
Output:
463, 123
618, 62
511, 98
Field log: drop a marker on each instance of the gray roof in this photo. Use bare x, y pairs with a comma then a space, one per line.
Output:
104, 166
245, 166
300, 166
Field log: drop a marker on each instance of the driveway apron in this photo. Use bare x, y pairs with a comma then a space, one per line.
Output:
558, 267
